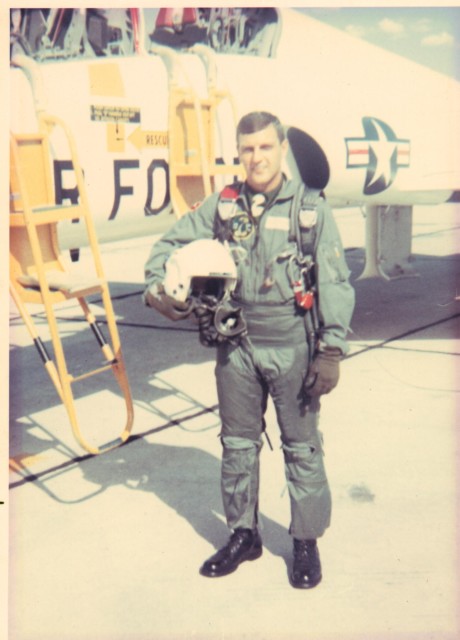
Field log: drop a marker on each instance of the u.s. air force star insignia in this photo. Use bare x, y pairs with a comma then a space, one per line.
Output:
241, 226
380, 152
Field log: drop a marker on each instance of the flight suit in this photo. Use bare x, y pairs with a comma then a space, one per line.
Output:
272, 360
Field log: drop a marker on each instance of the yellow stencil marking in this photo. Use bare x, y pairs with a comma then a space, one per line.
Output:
141, 138
106, 80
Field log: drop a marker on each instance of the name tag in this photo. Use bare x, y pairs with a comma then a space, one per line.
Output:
280, 224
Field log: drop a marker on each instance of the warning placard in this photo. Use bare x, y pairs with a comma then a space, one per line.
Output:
103, 113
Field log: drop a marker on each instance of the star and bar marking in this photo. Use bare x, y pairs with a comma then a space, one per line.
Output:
380, 152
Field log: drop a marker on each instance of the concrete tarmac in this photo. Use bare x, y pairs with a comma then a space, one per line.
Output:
109, 547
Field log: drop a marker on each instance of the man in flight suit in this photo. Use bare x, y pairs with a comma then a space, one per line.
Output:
274, 358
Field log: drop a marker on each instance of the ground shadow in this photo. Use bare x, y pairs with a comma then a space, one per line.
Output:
151, 343
387, 309
187, 479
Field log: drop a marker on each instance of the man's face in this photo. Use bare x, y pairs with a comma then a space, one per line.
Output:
261, 155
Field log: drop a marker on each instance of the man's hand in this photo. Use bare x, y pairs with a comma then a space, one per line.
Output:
156, 297
324, 372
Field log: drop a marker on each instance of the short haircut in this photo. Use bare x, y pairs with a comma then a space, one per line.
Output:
258, 120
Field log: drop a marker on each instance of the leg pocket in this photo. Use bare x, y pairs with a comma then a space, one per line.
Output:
240, 482
308, 489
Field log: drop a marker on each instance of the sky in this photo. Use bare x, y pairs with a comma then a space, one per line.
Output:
428, 35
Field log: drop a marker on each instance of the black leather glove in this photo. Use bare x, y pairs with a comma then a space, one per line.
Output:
324, 372
156, 297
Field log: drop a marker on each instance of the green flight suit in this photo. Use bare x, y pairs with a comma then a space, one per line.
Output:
273, 359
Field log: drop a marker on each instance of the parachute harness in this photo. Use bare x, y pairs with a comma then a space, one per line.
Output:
302, 287
218, 320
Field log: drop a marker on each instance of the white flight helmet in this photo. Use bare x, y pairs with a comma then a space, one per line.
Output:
202, 266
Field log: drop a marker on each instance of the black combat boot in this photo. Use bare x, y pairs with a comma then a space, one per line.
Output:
306, 570
244, 544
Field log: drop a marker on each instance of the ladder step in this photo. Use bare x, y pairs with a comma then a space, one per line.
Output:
63, 281
27, 138
54, 213
94, 372
190, 102
47, 215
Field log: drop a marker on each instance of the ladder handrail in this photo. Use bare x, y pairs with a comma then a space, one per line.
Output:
58, 373
53, 121
181, 89
173, 66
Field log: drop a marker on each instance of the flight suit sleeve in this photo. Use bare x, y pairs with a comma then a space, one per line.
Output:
195, 225
336, 296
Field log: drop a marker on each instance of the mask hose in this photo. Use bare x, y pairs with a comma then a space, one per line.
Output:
218, 322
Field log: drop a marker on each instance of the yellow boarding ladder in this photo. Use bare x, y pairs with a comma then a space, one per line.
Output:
38, 274
193, 122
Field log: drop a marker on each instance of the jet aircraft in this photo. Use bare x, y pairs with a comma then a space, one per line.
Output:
152, 97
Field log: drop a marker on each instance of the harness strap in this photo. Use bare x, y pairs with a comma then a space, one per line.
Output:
303, 218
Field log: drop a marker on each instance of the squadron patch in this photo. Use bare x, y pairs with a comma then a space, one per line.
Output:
241, 226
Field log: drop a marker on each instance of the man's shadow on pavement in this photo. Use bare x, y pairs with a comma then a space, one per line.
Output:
187, 479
